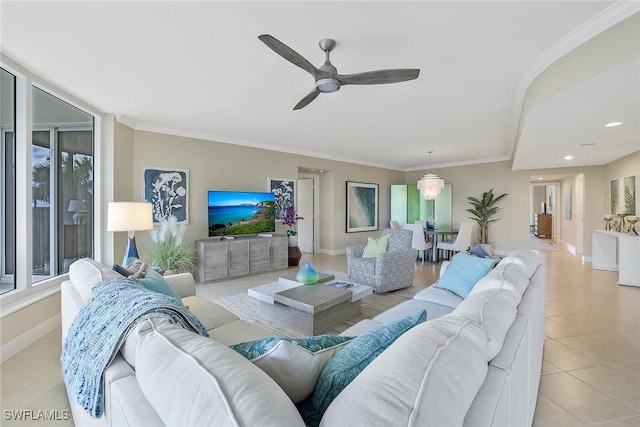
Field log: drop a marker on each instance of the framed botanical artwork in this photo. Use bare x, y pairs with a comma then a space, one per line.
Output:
362, 207
284, 191
629, 195
167, 189
614, 196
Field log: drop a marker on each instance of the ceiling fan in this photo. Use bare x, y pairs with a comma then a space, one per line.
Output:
327, 77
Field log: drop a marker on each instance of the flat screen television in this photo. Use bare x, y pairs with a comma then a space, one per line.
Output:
240, 212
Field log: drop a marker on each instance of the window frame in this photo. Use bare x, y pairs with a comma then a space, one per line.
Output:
26, 291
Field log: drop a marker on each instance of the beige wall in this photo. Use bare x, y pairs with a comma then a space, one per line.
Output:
219, 166
29, 317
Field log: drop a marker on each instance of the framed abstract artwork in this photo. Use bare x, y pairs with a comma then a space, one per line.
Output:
284, 191
362, 207
167, 189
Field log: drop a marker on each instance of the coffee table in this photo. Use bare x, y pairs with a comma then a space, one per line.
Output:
308, 309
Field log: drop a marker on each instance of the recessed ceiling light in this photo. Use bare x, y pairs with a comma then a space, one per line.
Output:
568, 157
540, 179
586, 144
612, 124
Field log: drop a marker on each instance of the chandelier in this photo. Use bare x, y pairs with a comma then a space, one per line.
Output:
431, 184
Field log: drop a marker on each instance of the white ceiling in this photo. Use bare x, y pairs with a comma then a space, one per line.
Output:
198, 69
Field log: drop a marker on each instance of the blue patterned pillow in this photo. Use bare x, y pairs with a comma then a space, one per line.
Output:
464, 272
352, 360
156, 283
254, 349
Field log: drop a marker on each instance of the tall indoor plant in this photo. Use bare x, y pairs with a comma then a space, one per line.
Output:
483, 213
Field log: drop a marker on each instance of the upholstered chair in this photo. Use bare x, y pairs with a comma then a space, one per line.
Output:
418, 241
388, 271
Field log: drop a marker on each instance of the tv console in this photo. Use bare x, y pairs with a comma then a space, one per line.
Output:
224, 258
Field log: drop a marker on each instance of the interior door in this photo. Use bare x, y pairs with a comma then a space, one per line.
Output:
305, 210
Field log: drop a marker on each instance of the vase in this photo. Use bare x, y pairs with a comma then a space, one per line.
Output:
307, 275
293, 241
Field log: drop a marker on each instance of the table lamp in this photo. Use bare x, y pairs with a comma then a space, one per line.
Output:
129, 217
79, 209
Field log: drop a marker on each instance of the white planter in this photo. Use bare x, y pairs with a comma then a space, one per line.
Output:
293, 241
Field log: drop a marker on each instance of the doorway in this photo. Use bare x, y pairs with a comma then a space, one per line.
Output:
308, 201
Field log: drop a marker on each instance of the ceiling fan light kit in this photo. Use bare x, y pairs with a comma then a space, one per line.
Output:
326, 77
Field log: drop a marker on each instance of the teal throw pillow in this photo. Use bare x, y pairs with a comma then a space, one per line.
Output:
350, 361
254, 349
375, 246
155, 282
464, 272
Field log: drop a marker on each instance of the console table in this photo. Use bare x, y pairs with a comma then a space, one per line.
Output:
619, 252
219, 259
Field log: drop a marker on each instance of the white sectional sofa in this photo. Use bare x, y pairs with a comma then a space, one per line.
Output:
475, 361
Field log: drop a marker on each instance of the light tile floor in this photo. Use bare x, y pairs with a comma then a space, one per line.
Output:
590, 374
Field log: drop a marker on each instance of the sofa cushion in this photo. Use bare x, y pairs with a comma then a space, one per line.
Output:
86, 274
192, 380
494, 310
506, 275
295, 363
411, 306
463, 273
376, 246
351, 360
211, 315
153, 281
431, 375
528, 259
238, 331
439, 296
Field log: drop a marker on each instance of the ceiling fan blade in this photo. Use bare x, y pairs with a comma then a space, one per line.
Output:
289, 54
379, 77
307, 99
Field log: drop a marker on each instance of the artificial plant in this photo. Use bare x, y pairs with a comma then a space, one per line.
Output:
483, 212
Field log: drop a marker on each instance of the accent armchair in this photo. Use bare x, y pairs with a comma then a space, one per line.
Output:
388, 271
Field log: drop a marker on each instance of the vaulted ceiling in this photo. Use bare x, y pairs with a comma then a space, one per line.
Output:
492, 84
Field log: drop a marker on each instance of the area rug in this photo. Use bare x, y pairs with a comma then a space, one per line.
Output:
248, 308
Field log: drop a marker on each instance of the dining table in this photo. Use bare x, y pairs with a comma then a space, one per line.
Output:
434, 235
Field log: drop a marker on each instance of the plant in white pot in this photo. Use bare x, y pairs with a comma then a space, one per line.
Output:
290, 220
483, 213
169, 251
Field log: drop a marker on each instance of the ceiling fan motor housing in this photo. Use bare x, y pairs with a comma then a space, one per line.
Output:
327, 85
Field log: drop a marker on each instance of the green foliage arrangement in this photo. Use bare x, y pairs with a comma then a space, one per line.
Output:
169, 250
483, 211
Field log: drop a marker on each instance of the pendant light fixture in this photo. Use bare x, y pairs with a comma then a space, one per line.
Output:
431, 184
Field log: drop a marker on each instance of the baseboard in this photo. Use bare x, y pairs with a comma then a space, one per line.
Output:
18, 344
587, 259
569, 247
332, 252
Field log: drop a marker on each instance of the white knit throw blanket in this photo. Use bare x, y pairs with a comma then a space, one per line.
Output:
100, 329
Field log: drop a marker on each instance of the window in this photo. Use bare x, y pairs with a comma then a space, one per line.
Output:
8, 187
62, 185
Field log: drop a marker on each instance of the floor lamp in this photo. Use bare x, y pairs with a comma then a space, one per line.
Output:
129, 217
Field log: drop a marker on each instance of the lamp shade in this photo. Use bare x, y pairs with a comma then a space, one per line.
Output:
129, 216
77, 206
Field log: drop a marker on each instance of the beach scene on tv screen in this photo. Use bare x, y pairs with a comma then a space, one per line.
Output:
232, 213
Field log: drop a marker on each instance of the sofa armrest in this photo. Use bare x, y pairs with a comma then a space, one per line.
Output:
182, 283
355, 251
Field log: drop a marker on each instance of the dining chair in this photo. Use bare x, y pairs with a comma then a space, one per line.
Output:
394, 225
461, 243
418, 240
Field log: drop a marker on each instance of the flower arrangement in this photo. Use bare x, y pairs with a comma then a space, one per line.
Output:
291, 219
169, 251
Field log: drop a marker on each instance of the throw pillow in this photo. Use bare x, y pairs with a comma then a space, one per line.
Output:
463, 273
120, 269
478, 251
375, 246
294, 363
352, 360
156, 283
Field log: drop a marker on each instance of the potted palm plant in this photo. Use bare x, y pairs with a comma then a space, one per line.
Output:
169, 251
483, 213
